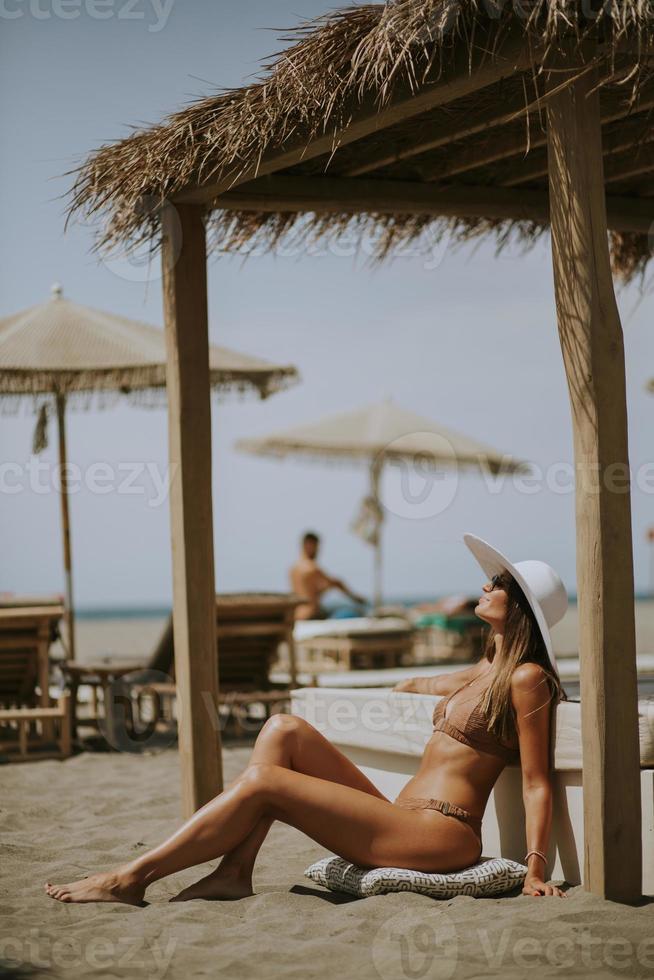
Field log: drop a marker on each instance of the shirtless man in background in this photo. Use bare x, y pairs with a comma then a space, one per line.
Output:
309, 581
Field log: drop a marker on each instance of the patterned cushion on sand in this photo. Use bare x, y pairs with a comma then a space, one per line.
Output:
490, 876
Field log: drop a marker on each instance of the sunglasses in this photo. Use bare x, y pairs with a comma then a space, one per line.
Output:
498, 582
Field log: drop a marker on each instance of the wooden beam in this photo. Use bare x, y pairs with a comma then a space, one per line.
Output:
639, 161
504, 112
508, 111
625, 138
471, 158
593, 354
324, 195
189, 428
334, 195
464, 77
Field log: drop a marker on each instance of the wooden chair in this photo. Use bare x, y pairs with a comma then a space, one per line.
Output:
30, 725
249, 629
35, 728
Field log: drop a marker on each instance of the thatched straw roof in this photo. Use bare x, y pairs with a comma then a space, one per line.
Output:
60, 347
363, 58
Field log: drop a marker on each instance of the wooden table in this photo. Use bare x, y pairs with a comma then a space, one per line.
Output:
96, 676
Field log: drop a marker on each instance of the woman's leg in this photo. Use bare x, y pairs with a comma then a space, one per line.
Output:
293, 743
363, 828
236, 811
289, 741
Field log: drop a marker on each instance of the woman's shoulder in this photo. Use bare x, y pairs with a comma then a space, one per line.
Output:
531, 687
526, 675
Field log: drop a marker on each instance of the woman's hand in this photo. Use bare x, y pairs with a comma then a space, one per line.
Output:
534, 886
407, 685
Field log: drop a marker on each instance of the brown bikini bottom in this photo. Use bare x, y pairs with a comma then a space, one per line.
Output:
449, 809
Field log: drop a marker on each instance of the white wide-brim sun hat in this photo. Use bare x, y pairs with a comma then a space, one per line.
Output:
543, 589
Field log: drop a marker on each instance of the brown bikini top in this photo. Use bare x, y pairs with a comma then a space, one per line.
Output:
467, 724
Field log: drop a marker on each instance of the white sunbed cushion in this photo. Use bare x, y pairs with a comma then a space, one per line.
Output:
396, 721
490, 876
567, 734
307, 629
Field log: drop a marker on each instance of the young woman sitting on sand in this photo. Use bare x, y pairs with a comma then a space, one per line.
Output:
498, 711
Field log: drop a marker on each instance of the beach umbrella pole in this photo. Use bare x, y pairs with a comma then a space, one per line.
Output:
65, 523
375, 476
378, 572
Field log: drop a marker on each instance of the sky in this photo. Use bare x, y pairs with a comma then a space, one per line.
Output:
468, 340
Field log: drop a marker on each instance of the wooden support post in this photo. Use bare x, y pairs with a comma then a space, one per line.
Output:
290, 641
189, 426
43, 662
593, 352
69, 614
43, 669
65, 746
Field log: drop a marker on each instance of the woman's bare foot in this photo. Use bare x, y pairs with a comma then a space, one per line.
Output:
108, 886
223, 883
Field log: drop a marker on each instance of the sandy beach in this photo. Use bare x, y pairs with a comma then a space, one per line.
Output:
62, 820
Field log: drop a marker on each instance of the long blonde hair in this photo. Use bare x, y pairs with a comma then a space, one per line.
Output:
522, 642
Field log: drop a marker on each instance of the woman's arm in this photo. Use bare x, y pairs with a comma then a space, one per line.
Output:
531, 699
445, 683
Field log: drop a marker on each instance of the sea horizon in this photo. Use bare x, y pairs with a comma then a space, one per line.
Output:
156, 610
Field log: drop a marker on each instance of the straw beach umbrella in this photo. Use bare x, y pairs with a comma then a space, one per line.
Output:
376, 435
59, 353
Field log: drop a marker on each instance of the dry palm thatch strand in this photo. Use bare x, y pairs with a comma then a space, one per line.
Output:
137, 384
314, 87
102, 390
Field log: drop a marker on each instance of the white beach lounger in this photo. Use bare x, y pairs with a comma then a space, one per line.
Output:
308, 629
362, 642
